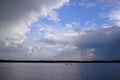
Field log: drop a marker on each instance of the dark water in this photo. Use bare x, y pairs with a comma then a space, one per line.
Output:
59, 71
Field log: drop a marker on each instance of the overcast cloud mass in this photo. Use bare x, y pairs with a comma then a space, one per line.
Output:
59, 29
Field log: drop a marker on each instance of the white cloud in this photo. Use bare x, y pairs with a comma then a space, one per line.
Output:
53, 16
61, 43
112, 2
115, 17
17, 16
76, 55
87, 4
102, 3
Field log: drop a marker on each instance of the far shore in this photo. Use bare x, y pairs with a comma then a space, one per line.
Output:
58, 61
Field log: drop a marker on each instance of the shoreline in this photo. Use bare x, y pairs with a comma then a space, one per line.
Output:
58, 61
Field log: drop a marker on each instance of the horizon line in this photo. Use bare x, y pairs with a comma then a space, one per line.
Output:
59, 61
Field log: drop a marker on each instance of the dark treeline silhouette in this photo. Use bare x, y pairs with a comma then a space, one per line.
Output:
59, 61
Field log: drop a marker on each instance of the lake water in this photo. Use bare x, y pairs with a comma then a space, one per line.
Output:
59, 71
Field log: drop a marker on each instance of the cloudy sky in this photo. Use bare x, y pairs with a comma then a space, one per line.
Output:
60, 29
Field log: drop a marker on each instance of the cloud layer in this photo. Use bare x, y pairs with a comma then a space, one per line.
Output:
19, 39
102, 3
17, 15
81, 44
105, 42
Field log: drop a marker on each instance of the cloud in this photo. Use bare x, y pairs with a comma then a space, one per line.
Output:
14, 51
110, 2
75, 54
86, 44
104, 41
62, 45
17, 16
69, 41
87, 4
115, 17
102, 3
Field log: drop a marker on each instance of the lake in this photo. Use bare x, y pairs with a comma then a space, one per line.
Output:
59, 71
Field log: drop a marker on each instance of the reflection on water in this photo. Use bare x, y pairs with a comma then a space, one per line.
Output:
59, 71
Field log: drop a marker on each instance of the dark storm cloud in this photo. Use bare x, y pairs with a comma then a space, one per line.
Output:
105, 41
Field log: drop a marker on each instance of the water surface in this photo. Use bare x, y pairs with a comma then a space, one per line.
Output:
59, 71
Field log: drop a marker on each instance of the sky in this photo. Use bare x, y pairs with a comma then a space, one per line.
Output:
60, 29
